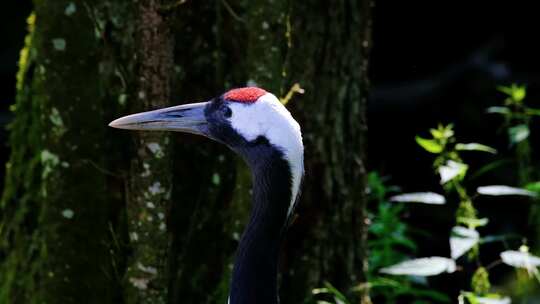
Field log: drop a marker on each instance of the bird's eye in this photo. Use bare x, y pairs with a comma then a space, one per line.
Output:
227, 112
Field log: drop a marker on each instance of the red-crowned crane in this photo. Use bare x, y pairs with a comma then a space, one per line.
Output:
254, 124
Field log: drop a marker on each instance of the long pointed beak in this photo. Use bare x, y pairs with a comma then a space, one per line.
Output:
188, 118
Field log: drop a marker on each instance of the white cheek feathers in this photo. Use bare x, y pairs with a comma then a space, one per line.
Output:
269, 118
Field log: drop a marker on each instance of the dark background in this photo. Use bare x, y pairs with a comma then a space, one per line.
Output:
431, 62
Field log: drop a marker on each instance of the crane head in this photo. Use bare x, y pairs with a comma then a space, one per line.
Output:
242, 119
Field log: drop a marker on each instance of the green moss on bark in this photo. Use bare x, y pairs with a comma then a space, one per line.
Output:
19, 199
60, 240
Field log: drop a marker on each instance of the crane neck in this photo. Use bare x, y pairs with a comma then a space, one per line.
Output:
254, 277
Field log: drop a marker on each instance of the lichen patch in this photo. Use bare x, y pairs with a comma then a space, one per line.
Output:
59, 44
68, 213
156, 149
156, 188
71, 8
140, 283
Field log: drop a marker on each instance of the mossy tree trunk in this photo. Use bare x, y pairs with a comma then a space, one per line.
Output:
149, 194
58, 213
110, 58
324, 47
328, 56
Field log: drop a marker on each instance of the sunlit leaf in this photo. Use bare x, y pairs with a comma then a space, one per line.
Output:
519, 93
499, 110
516, 92
419, 197
518, 133
497, 190
472, 222
462, 240
429, 145
451, 170
442, 132
475, 147
520, 259
488, 300
534, 187
429, 266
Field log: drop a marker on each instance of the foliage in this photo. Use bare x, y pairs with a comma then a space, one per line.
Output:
453, 171
388, 232
389, 242
391, 246
517, 117
336, 295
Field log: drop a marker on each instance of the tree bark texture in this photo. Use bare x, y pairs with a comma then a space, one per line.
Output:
328, 56
59, 216
205, 221
149, 195
324, 47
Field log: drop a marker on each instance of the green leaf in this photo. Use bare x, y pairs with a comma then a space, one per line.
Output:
493, 299
499, 110
405, 242
520, 259
531, 111
516, 92
424, 267
498, 190
534, 187
471, 297
472, 223
429, 145
339, 298
442, 132
519, 93
419, 197
451, 170
404, 288
505, 90
475, 147
490, 167
518, 133
490, 298
462, 240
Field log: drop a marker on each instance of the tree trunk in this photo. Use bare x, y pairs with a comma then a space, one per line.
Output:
150, 178
201, 217
323, 47
60, 218
328, 57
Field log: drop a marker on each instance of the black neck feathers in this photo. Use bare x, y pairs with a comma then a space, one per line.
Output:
254, 278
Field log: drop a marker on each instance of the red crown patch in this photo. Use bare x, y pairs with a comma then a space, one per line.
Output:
246, 95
